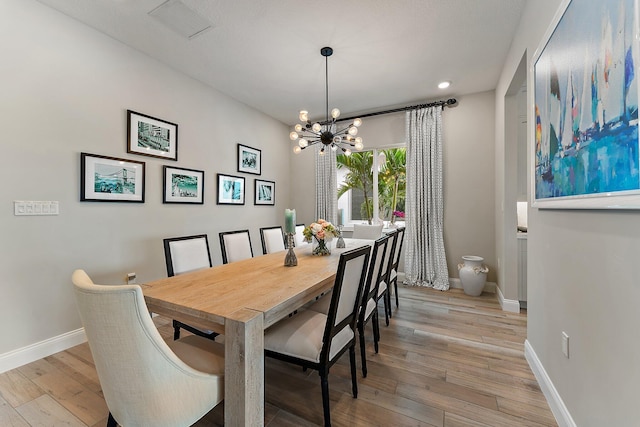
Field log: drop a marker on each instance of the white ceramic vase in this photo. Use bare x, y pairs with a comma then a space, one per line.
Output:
473, 274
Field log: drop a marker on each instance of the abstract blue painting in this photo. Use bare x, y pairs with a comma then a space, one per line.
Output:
586, 103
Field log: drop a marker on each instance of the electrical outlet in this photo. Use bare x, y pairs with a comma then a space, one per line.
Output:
565, 344
131, 278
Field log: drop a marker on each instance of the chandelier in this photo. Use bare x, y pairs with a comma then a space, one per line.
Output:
308, 134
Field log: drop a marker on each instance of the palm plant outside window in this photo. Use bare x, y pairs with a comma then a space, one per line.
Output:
356, 180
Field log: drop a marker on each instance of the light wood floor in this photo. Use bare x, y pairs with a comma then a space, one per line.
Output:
446, 360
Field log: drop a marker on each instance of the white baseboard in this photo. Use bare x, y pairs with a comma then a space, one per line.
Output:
559, 410
455, 282
33, 352
510, 305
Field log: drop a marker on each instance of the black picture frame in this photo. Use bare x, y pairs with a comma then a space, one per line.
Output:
182, 185
264, 192
150, 136
111, 179
249, 160
231, 190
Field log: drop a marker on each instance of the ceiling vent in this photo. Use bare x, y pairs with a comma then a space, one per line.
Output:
181, 19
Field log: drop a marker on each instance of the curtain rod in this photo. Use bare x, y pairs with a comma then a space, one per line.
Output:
448, 102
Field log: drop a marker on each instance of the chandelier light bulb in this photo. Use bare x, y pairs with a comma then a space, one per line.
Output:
335, 113
303, 143
357, 122
359, 145
337, 139
353, 131
358, 139
322, 153
316, 127
334, 147
297, 149
304, 116
298, 127
347, 152
293, 136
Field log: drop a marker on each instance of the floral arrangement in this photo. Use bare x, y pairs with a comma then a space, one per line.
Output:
319, 233
396, 214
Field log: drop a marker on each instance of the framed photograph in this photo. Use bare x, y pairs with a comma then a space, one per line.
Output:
109, 179
249, 159
153, 137
586, 151
183, 185
230, 190
265, 192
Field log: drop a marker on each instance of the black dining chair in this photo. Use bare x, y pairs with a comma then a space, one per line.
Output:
182, 255
235, 246
316, 340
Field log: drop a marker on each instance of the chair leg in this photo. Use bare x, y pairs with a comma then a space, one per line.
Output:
395, 285
111, 422
387, 303
386, 311
376, 331
354, 380
176, 330
324, 383
363, 352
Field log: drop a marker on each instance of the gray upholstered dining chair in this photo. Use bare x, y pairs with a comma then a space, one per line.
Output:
368, 309
365, 231
392, 274
316, 340
146, 381
182, 255
235, 246
272, 239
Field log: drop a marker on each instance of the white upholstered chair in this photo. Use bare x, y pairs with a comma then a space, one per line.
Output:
272, 239
235, 246
365, 231
316, 340
299, 236
146, 381
182, 255
392, 274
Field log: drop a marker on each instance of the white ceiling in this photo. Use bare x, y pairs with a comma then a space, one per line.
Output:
266, 53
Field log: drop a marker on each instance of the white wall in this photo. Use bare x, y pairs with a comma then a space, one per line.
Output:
582, 279
468, 133
65, 90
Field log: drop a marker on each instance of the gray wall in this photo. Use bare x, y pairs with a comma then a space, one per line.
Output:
468, 133
582, 279
65, 90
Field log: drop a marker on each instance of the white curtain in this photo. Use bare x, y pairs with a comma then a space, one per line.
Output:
425, 260
326, 185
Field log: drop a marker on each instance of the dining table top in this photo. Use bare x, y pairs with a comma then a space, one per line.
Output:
207, 297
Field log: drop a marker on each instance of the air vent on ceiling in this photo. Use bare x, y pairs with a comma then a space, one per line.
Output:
181, 19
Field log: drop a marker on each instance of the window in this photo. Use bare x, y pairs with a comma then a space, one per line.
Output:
357, 202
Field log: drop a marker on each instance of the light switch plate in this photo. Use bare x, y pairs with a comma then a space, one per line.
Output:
35, 207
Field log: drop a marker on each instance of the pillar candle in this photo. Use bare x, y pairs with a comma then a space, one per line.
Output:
290, 221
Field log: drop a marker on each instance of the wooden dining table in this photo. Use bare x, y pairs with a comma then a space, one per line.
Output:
241, 300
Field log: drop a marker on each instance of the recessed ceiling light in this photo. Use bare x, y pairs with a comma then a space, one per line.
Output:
444, 85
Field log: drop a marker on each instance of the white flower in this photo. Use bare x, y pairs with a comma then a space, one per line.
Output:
316, 227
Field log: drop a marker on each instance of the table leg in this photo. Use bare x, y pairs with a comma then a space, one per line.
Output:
244, 369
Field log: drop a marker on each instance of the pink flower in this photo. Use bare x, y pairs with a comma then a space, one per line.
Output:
320, 234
